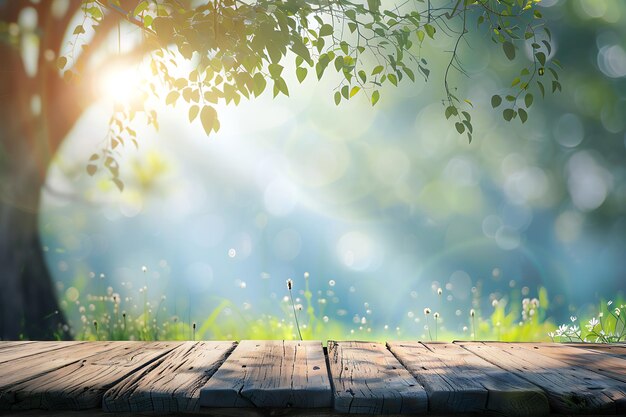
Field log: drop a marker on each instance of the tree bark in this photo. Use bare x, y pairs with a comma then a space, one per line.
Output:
28, 140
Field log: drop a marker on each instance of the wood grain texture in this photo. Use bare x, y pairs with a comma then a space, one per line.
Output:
368, 379
81, 384
171, 384
570, 389
10, 343
615, 349
29, 367
16, 350
271, 374
458, 381
593, 360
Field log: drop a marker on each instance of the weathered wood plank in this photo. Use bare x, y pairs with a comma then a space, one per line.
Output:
596, 361
11, 343
618, 350
271, 374
570, 389
25, 368
22, 350
458, 381
81, 384
368, 379
171, 384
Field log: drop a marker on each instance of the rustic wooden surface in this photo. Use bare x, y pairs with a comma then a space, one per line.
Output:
16, 350
28, 367
570, 389
81, 385
369, 379
591, 359
271, 374
613, 349
275, 378
456, 381
173, 383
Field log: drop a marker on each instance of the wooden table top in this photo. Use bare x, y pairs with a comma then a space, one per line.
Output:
303, 378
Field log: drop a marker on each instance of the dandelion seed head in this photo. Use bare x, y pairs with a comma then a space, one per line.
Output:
331, 283
472, 312
289, 284
144, 269
439, 291
436, 315
427, 311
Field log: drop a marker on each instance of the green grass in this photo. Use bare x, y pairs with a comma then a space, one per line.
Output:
140, 315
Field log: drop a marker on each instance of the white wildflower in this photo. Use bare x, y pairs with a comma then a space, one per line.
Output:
592, 323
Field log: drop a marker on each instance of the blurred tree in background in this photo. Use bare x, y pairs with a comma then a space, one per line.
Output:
43, 96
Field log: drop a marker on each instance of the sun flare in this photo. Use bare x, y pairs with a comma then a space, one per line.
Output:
120, 84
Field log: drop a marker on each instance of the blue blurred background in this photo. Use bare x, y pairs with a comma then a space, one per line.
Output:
382, 206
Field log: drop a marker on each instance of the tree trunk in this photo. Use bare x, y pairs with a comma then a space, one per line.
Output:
28, 140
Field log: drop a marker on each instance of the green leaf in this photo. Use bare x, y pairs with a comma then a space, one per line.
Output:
354, 90
528, 100
460, 127
259, 84
338, 63
409, 73
392, 79
344, 47
79, 29
300, 49
301, 74
451, 111
377, 69
281, 86
95, 13
208, 117
326, 30
430, 30
420, 35
523, 116
337, 97
193, 112
541, 57
375, 97
496, 100
140, 8
509, 50
275, 70
508, 114
345, 92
